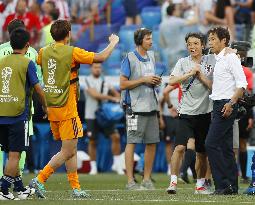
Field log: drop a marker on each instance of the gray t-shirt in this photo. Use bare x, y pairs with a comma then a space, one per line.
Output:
83, 7
171, 34
92, 103
195, 100
203, 7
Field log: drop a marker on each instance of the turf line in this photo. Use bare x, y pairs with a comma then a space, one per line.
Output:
153, 200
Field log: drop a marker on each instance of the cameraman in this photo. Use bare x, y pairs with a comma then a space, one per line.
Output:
246, 120
138, 82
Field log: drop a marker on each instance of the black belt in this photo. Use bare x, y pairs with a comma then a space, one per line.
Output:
74, 80
194, 116
146, 113
221, 101
75, 68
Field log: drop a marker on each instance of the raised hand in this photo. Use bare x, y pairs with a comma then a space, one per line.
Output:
114, 39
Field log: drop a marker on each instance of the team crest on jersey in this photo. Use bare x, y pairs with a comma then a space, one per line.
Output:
208, 68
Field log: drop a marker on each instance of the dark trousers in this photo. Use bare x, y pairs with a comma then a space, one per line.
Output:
219, 147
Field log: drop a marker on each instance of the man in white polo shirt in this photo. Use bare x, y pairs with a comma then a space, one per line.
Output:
229, 83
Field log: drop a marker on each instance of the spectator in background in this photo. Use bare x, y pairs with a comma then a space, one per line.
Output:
31, 21
7, 8
84, 11
46, 37
63, 8
171, 35
206, 15
243, 16
34, 8
132, 12
46, 17
225, 11
96, 91
164, 6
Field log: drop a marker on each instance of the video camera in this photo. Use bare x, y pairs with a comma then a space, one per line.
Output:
245, 103
248, 100
242, 48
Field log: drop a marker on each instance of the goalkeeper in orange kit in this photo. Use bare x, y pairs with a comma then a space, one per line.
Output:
60, 63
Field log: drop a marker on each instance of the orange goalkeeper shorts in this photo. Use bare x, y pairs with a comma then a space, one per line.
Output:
67, 129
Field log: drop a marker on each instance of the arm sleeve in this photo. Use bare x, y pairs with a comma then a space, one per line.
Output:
82, 56
32, 77
125, 68
237, 71
177, 71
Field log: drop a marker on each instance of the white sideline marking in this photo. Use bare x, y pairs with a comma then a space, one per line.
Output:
117, 190
153, 200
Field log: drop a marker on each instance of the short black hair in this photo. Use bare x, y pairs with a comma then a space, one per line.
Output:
54, 14
242, 47
197, 35
19, 38
170, 9
60, 29
15, 23
139, 35
221, 33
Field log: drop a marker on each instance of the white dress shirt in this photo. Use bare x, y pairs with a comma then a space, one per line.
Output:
228, 75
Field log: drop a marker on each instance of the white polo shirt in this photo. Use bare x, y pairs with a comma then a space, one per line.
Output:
228, 75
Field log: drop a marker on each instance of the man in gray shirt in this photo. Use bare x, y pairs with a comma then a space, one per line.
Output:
96, 91
172, 35
193, 73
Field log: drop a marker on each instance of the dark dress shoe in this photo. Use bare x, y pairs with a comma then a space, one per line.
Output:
227, 191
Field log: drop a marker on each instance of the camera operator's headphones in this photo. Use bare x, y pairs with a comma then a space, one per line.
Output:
139, 38
241, 45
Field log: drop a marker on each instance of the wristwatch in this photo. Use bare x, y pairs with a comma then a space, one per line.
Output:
231, 103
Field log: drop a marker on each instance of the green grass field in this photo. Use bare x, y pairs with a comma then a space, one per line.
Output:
109, 189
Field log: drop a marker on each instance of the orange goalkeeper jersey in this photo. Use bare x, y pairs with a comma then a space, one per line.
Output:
69, 110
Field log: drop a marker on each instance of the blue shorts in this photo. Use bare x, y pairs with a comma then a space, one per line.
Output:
130, 8
14, 137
